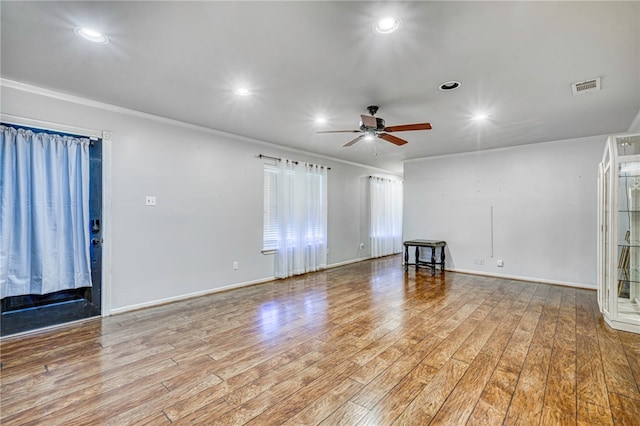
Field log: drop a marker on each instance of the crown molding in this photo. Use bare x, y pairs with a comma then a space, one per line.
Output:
144, 115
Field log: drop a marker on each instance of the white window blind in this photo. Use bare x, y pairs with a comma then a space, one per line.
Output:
270, 223
314, 232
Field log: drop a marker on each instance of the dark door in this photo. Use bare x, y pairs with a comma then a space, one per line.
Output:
30, 312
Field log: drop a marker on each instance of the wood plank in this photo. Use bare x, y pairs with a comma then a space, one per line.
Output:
327, 404
591, 385
284, 410
152, 420
69, 399
373, 392
427, 403
592, 414
373, 368
617, 371
554, 417
461, 402
398, 398
347, 415
495, 398
625, 410
560, 393
476, 341
528, 396
631, 347
445, 350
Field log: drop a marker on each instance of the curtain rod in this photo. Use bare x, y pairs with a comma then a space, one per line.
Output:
48, 125
92, 139
381, 178
293, 161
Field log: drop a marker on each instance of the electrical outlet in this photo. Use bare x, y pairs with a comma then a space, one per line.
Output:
235, 265
478, 261
361, 246
150, 200
500, 263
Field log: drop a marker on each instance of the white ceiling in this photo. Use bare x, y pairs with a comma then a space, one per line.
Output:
516, 61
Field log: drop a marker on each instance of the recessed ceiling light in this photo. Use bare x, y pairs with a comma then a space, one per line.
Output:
480, 117
242, 91
387, 25
449, 85
91, 35
320, 120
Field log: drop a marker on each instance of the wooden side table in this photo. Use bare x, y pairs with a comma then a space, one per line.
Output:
432, 244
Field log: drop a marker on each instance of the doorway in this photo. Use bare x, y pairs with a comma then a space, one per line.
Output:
22, 313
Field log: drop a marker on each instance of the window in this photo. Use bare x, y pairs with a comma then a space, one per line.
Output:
386, 216
314, 232
270, 223
295, 216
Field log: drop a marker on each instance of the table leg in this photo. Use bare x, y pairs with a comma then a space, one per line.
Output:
417, 256
406, 258
433, 261
442, 258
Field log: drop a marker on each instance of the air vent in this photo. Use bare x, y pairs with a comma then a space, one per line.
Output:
586, 86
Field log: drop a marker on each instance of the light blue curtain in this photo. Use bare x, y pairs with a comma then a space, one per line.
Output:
44, 212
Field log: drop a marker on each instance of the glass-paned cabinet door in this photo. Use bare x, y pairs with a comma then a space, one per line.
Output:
605, 226
627, 145
628, 237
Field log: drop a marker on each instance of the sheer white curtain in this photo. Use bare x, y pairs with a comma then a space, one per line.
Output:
301, 192
386, 216
44, 212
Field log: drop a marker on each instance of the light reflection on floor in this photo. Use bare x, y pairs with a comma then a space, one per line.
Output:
273, 316
307, 301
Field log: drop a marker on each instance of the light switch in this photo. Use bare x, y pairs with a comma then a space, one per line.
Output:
151, 200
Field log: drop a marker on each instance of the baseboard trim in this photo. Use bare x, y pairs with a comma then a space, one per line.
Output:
528, 279
115, 311
347, 262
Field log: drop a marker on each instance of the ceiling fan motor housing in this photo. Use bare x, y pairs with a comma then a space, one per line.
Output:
379, 125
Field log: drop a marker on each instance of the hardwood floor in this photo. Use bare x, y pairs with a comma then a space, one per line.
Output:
363, 344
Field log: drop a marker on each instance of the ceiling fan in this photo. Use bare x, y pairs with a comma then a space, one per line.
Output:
371, 127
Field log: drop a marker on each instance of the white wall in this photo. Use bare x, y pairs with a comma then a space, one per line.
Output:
635, 124
209, 200
544, 199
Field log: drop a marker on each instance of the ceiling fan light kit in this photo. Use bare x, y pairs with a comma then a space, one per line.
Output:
91, 35
387, 25
242, 91
371, 126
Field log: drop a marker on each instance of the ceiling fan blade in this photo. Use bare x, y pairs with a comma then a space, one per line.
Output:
405, 127
393, 139
339, 131
369, 121
352, 141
